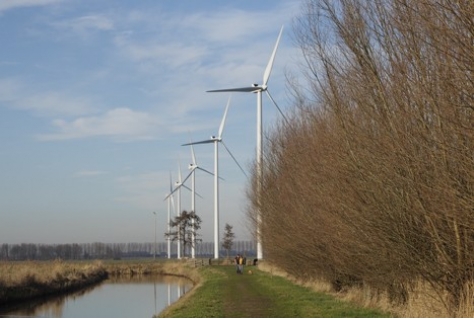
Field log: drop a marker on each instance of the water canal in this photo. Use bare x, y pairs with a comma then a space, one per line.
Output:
136, 297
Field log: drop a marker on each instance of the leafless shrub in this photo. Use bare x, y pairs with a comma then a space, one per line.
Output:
371, 183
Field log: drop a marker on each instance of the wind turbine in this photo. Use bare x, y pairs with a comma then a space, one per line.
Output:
216, 141
179, 184
259, 88
193, 167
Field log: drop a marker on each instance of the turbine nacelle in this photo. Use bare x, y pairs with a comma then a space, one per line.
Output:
258, 88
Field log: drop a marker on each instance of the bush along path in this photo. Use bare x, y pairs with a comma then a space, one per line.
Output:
224, 293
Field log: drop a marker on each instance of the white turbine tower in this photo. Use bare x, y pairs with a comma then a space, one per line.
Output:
216, 141
169, 197
259, 88
193, 167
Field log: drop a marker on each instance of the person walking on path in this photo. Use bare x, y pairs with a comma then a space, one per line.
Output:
237, 258
241, 264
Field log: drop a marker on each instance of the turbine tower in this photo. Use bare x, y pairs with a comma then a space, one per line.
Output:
193, 167
169, 197
216, 141
259, 88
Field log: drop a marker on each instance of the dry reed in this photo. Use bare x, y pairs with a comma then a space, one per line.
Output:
23, 280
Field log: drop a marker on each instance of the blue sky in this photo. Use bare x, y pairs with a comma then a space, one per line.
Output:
96, 98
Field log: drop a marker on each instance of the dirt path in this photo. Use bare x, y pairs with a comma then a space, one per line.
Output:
243, 298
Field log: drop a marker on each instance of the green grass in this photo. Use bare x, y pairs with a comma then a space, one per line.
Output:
223, 293
204, 301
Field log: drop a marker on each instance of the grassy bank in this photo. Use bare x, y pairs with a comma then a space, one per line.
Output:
25, 280
147, 267
223, 293
20, 281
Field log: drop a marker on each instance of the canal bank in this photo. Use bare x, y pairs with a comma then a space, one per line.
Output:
138, 296
20, 281
29, 280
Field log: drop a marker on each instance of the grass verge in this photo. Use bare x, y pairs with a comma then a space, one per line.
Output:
223, 293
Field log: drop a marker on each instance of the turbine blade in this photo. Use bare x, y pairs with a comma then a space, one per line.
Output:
200, 142
233, 157
193, 156
205, 170
268, 70
186, 187
172, 192
187, 177
221, 127
242, 89
171, 183
171, 189
278, 108
179, 172
173, 208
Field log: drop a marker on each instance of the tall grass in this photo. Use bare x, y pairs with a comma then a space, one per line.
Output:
423, 300
23, 280
15, 273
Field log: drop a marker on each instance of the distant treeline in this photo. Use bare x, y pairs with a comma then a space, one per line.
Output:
99, 250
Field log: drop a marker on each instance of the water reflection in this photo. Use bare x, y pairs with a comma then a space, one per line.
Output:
117, 297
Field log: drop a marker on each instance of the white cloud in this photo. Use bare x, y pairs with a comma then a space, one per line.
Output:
235, 26
170, 54
16, 95
9, 89
13, 4
87, 23
48, 103
179, 38
121, 124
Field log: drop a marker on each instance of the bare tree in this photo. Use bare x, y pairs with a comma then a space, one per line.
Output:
184, 229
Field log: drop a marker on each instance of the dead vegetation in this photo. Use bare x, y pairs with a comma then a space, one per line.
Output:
370, 185
25, 280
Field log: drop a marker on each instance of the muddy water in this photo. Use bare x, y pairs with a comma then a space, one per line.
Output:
137, 297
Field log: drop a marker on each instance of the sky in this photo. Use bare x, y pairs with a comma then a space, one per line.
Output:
97, 97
